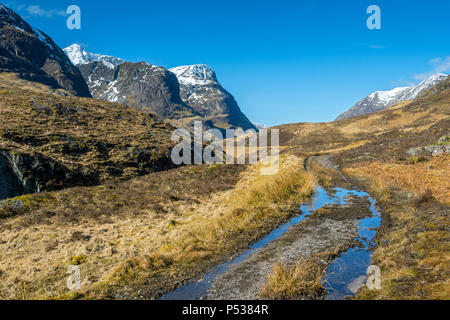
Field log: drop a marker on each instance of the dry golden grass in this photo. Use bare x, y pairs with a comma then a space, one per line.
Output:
339, 147
415, 260
105, 224
413, 248
431, 175
299, 280
147, 233
379, 188
278, 189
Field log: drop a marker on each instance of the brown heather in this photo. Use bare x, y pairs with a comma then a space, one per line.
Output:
105, 140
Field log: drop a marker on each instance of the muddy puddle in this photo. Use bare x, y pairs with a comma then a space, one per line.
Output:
345, 271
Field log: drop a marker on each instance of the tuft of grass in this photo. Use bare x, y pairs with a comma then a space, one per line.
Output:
415, 160
280, 188
77, 260
379, 188
291, 282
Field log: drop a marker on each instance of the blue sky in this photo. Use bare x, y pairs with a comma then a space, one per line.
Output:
284, 61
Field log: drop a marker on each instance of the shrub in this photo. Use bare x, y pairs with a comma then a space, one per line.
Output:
303, 279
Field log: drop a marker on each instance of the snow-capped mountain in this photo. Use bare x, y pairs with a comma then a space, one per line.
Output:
197, 74
186, 92
33, 55
381, 100
80, 56
200, 89
426, 84
139, 85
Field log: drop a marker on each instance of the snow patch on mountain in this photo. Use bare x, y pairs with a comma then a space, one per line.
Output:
195, 75
381, 100
426, 84
80, 56
198, 84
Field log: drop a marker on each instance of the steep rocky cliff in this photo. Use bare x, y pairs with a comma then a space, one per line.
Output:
34, 56
201, 90
140, 85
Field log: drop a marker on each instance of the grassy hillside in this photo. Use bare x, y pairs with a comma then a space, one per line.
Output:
101, 141
413, 123
143, 237
413, 192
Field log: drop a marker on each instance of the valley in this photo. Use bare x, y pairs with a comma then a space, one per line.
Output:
88, 179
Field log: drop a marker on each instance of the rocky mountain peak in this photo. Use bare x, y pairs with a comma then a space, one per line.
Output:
196, 74
79, 56
183, 92
426, 84
200, 89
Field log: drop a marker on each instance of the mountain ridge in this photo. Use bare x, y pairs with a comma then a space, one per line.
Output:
184, 93
380, 100
78, 55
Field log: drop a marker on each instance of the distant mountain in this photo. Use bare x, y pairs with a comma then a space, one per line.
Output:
185, 93
260, 126
381, 100
34, 56
140, 85
200, 89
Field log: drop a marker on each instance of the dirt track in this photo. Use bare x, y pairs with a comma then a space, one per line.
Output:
331, 232
335, 232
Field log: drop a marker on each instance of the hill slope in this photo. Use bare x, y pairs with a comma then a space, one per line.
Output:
413, 123
34, 56
51, 140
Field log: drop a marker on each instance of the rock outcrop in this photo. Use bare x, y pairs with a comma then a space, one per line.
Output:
440, 147
200, 89
24, 174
